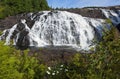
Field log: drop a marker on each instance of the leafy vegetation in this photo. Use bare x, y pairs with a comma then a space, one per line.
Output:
1, 32
15, 64
13, 7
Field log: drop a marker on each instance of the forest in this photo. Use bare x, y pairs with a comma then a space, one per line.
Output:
13, 7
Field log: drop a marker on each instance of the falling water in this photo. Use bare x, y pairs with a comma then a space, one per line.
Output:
59, 28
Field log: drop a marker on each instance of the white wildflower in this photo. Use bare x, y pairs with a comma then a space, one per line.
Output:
48, 72
66, 70
49, 68
61, 66
53, 73
57, 72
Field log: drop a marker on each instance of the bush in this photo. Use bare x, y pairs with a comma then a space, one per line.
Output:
103, 64
15, 64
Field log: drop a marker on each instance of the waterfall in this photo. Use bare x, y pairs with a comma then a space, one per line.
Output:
61, 28
57, 28
114, 15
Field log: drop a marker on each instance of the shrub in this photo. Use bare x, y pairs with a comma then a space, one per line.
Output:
103, 64
15, 64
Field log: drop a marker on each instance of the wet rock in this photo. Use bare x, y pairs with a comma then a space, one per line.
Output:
118, 27
4, 35
20, 26
23, 39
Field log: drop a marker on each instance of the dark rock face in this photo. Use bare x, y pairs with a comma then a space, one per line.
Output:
8, 22
23, 39
118, 27
92, 13
20, 26
19, 34
6, 32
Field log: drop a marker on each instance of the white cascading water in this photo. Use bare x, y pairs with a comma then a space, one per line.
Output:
10, 33
114, 15
61, 28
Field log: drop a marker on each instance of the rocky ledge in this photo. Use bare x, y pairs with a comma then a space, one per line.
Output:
92, 12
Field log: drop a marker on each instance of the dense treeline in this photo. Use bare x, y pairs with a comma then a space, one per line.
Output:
12, 7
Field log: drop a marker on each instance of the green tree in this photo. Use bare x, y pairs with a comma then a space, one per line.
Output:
13, 7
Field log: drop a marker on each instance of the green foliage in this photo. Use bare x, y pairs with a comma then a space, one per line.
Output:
13, 7
78, 67
2, 15
8, 63
15, 64
1, 32
103, 64
57, 72
109, 22
108, 55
